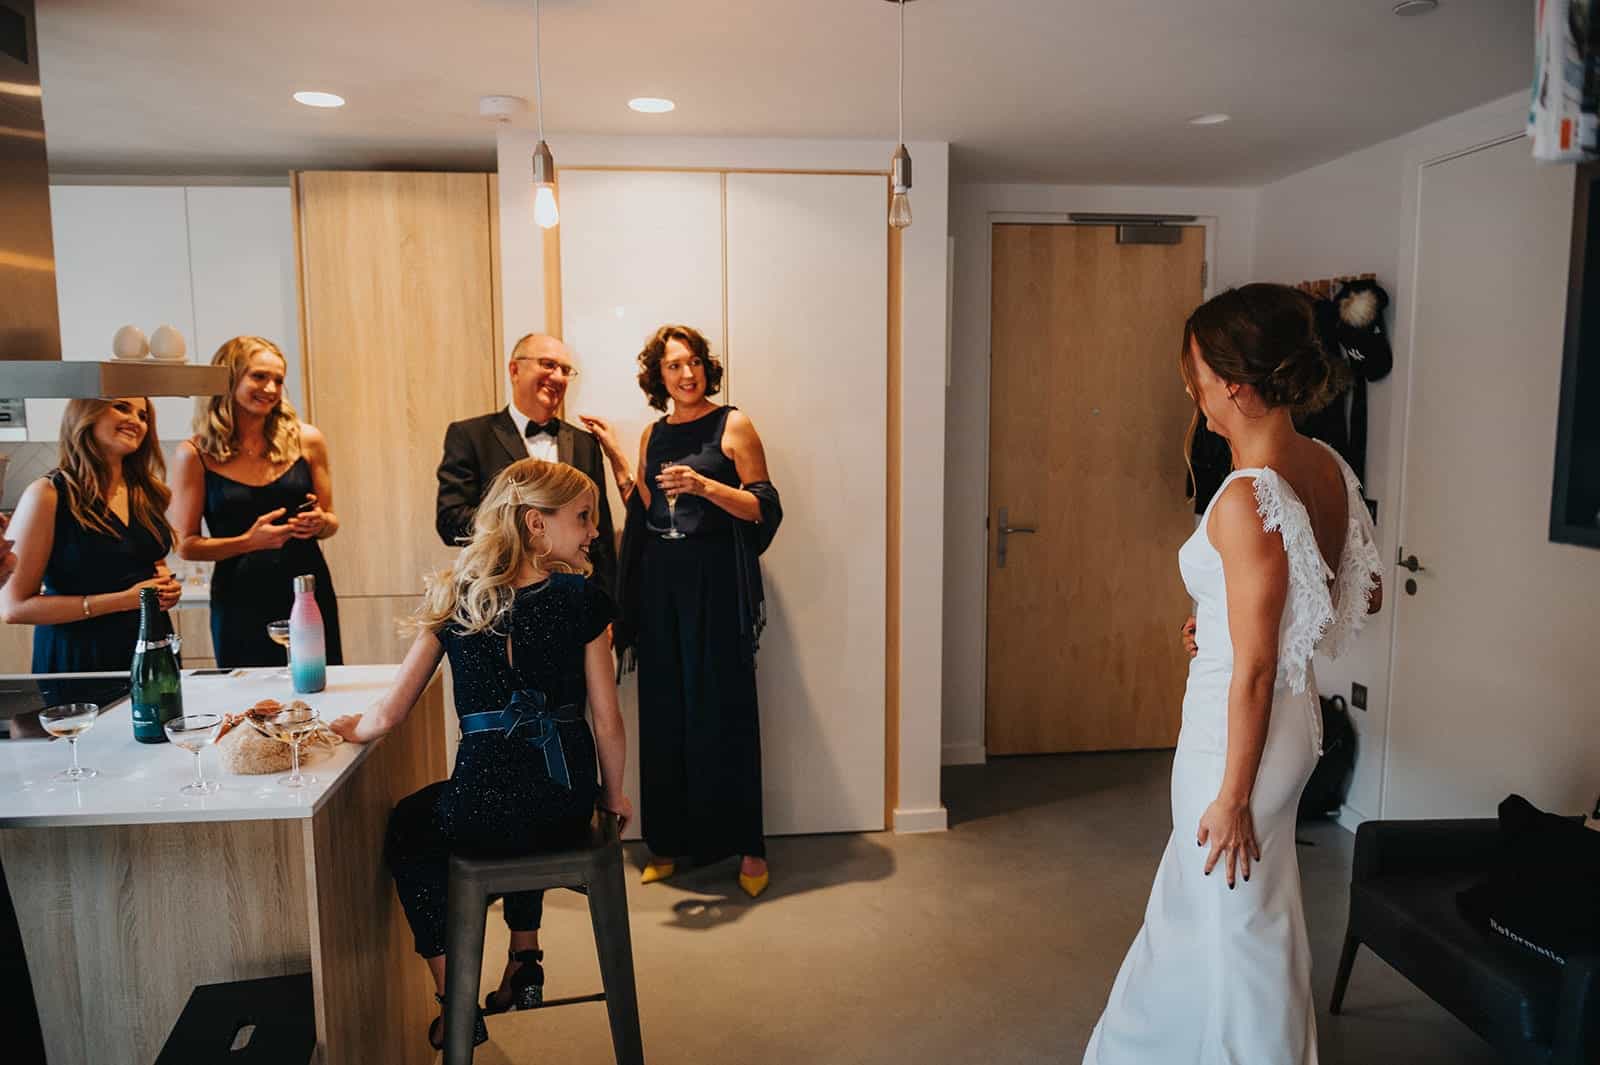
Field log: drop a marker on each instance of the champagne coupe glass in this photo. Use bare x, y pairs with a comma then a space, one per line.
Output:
194, 733
71, 720
672, 533
291, 726
278, 633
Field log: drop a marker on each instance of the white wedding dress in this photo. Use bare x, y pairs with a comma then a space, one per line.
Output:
1220, 977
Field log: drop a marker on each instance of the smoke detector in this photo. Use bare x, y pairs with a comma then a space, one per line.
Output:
501, 108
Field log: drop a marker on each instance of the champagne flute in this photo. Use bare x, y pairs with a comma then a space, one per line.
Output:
672, 533
291, 726
278, 633
71, 720
194, 733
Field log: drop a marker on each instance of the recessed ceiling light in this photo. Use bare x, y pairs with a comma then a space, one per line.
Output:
1415, 7
319, 99
1216, 118
651, 105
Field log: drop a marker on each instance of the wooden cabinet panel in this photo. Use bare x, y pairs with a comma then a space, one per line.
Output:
193, 624
16, 648
397, 302
370, 627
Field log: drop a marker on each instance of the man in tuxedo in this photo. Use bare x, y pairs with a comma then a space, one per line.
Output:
476, 449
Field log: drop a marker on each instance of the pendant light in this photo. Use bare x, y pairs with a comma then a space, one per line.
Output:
545, 211
900, 162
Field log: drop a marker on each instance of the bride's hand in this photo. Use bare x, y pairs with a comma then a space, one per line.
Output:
1230, 831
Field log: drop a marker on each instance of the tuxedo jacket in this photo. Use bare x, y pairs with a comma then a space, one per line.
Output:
477, 449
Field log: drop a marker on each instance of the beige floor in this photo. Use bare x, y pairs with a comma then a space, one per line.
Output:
993, 943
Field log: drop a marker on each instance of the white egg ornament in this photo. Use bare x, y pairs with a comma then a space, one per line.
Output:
167, 344
129, 343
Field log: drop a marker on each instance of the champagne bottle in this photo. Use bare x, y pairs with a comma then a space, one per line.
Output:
157, 689
308, 658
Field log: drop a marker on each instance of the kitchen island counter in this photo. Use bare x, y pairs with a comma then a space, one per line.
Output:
129, 894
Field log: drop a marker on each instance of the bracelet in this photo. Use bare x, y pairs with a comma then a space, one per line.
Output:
86, 607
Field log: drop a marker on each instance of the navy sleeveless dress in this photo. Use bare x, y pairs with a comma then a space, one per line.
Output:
86, 561
500, 797
699, 720
250, 591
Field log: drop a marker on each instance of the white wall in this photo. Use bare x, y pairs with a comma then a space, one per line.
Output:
973, 208
923, 274
1353, 215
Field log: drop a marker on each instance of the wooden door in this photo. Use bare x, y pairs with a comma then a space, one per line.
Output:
397, 291
1087, 422
1493, 685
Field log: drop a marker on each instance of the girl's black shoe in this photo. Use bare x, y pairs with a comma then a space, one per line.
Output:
526, 986
480, 1031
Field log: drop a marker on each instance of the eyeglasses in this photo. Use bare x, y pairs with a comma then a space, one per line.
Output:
550, 365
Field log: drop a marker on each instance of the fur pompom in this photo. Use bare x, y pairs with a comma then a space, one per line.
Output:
1359, 309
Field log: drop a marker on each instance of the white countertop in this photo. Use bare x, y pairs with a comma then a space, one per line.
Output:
139, 782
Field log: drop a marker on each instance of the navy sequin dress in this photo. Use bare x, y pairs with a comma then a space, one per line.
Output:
500, 798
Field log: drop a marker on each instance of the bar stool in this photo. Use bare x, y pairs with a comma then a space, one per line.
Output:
595, 870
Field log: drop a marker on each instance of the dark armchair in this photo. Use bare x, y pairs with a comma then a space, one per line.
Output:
1403, 907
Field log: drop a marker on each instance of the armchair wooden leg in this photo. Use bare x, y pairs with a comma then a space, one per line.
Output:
1347, 961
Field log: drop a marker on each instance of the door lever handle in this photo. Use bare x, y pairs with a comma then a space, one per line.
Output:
1006, 530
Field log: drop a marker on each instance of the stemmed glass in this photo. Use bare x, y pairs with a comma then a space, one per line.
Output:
194, 733
672, 533
278, 633
71, 720
291, 726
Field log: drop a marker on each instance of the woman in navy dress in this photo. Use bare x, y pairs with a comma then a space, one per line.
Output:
703, 511
260, 478
89, 536
525, 633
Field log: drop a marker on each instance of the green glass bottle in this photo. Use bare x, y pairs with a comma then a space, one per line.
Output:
157, 690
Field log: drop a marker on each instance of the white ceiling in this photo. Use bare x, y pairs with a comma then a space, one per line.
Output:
1067, 91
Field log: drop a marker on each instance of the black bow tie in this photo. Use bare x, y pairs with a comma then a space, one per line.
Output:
553, 426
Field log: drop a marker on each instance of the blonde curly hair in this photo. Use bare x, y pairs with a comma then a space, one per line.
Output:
214, 433
477, 590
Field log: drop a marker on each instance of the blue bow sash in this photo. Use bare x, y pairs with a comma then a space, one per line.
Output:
529, 713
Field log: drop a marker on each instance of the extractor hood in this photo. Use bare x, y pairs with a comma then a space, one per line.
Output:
31, 366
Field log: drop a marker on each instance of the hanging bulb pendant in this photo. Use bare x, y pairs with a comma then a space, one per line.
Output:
900, 162
900, 179
545, 211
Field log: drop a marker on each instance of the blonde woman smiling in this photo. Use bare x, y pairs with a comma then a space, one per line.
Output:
259, 477
89, 536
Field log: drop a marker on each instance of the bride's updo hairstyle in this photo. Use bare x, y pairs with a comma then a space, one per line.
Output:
1270, 337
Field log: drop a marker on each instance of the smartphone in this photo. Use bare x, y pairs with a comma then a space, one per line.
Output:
307, 505
211, 672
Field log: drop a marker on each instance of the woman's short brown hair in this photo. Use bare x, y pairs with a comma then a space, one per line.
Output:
655, 349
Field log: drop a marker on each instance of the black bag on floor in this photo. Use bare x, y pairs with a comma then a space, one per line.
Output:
1325, 790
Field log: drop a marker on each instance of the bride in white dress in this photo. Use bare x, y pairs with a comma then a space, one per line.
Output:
1284, 563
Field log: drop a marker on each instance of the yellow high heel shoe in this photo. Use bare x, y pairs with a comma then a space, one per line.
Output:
755, 885
658, 870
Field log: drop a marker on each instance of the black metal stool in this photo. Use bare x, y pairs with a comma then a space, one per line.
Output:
595, 869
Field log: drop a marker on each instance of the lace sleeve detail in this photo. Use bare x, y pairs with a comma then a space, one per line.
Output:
1308, 610
1359, 566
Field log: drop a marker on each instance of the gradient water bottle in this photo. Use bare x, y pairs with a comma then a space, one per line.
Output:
308, 656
